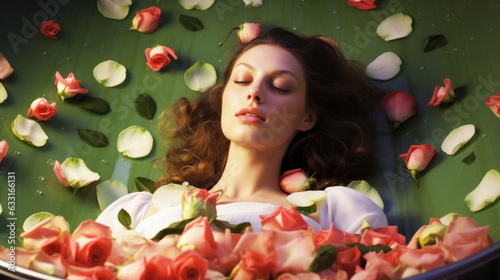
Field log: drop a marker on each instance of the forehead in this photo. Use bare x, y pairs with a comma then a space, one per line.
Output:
271, 58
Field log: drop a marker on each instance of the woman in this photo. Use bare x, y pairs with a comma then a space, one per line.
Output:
285, 102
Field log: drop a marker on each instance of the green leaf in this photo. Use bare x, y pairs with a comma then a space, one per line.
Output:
145, 106
94, 104
174, 228
469, 159
433, 42
365, 249
191, 23
93, 138
144, 184
324, 259
239, 228
124, 219
307, 210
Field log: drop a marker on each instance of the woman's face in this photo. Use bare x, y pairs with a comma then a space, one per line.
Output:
264, 101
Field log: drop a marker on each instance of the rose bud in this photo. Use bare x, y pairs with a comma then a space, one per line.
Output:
4, 147
295, 180
494, 103
158, 57
362, 4
50, 28
197, 203
5, 68
399, 106
418, 157
41, 109
431, 234
246, 32
147, 20
442, 94
68, 87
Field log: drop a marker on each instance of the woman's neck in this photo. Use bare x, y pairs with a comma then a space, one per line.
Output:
251, 174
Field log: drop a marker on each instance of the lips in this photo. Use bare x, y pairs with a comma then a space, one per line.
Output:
250, 113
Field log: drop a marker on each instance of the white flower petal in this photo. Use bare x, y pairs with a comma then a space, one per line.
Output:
200, 76
306, 198
364, 187
168, 196
77, 173
196, 4
29, 131
384, 67
3, 93
114, 9
395, 27
110, 73
486, 192
109, 191
135, 142
457, 138
36, 218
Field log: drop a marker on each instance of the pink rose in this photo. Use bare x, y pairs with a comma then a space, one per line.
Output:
283, 219
330, 236
39, 261
387, 236
225, 260
197, 235
248, 31
295, 180
362, 4
348, 260
287, 244
199, 202
5, 68
442, 94
418, 157
189, 265
41, 109
88, 273
399, 106
494, 103
425, 259
260, 242
464, 238
35, 237
158, 57
375, 265
254, 265
4, 147
413, 243
69, 86
156, 268
299, 276
147, 20
50, 28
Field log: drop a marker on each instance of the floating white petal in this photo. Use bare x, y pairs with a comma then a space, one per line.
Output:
364, 187
306, 198
114, 9
485, 193
168, 196
200, 76
3, 93
457, 138
450, 217
109, 191
384, 67
29, 131
395, 27
110, 73
135, 142
35, 219
76, 172
196, 4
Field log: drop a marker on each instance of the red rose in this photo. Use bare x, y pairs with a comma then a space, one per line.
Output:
69, 86
362, 4
92, 251
147, 20
156, 268
158, 57
442, 94
283, 219
295, 180
348, 259
199, 202
50, 28
189, 265
386, 236
41, 109
418, 157
35, 237
5, 68
248, 31
254, 266
494, 103
399, 106
4, 147
330, 236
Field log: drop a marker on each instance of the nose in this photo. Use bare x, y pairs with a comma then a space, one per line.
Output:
255, 94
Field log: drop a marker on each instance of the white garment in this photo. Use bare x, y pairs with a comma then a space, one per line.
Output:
345, 207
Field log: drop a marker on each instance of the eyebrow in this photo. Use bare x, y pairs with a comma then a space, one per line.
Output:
275, 72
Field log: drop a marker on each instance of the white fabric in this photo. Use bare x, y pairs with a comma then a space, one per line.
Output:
345, 207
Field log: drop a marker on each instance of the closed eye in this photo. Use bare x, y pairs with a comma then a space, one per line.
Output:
241, 82
280, 89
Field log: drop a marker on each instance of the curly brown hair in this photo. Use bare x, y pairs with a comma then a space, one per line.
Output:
337, 150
